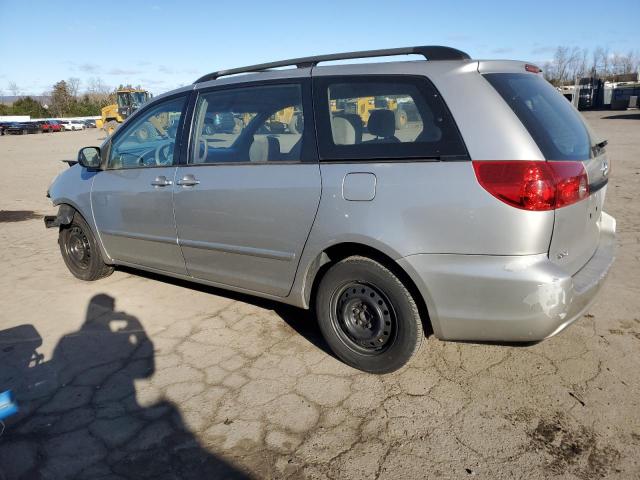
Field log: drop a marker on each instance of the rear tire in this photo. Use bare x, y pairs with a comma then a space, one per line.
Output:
367, 316
81, 252
110, 127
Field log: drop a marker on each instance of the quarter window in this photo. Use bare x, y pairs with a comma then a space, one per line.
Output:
384, 117
150, 141
251, 124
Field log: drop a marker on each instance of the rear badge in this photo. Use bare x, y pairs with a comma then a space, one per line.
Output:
561, 254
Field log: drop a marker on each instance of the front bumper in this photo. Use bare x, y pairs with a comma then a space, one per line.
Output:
508, 298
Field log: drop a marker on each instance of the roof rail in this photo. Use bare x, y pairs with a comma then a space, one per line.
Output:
433, 52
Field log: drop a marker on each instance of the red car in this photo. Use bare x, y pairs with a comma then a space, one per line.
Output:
51, 126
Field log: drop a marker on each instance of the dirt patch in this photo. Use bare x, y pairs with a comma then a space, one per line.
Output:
7, 216
573, 448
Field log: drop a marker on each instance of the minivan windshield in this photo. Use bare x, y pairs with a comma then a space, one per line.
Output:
551, 120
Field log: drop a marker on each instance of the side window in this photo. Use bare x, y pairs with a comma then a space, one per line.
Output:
250, 124
150, 140
384, 117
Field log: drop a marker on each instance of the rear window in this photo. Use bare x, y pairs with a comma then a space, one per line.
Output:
553, 123
384, 117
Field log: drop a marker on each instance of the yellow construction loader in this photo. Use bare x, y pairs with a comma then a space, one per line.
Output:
128, 101
363, 106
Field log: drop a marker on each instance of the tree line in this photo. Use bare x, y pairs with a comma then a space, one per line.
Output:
569, 63
64, 100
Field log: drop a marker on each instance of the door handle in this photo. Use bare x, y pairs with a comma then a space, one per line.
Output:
188, 181
161, 181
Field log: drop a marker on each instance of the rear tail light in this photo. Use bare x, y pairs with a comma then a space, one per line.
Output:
532, 185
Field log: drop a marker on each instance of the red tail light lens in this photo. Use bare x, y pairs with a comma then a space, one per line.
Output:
530, 185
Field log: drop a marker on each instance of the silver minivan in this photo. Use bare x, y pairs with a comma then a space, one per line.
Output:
460, 196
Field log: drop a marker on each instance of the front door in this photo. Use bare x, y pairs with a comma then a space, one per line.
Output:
246, 199
132, 199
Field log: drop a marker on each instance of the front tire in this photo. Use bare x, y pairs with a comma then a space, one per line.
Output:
81, 252
367, 316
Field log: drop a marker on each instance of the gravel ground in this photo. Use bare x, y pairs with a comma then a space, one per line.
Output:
142, 376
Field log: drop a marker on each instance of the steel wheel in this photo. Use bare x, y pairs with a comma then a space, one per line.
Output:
78, 248
363, 318
80, 251
367, 315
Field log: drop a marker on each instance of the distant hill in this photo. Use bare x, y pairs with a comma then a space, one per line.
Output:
9, 99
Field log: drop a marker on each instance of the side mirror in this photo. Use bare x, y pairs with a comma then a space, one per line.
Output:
89, 158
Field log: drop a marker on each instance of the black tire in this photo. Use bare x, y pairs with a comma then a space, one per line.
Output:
80, 251
367, 315
110, 127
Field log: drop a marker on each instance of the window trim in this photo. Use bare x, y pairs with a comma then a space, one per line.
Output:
322, 119
177, 155
309, 153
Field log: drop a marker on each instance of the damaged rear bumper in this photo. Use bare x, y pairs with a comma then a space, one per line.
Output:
508, 298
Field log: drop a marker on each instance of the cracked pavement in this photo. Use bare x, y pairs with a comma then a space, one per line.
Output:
140, 376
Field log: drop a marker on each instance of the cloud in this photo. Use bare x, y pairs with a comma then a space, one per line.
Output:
459, 37
122, 71
543, 49
89, 68
165, 69
500, 51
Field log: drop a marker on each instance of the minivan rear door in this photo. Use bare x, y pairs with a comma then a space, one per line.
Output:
562, 136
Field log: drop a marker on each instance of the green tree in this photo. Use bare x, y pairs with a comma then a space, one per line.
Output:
61, 100
29, 106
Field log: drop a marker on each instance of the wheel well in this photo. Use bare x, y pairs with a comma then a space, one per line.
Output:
338, 252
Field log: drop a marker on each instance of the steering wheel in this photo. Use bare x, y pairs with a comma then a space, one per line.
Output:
164, 153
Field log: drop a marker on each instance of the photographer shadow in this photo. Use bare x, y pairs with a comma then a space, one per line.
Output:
78, 414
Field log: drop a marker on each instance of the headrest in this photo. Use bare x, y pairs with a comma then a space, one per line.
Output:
264, 149
346, 129
382, 123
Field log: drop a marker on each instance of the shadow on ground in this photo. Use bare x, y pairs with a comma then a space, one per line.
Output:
624, 116
79, 416
9, 216
302, 321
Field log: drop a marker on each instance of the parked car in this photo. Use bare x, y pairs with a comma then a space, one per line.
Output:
479, 221
89, 123
23, 128
55, 126
72, 124
219, 122
50, 126
4, 125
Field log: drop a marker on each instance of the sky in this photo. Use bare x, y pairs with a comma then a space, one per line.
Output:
162, 45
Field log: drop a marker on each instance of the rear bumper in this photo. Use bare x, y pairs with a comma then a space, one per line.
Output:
508, 298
